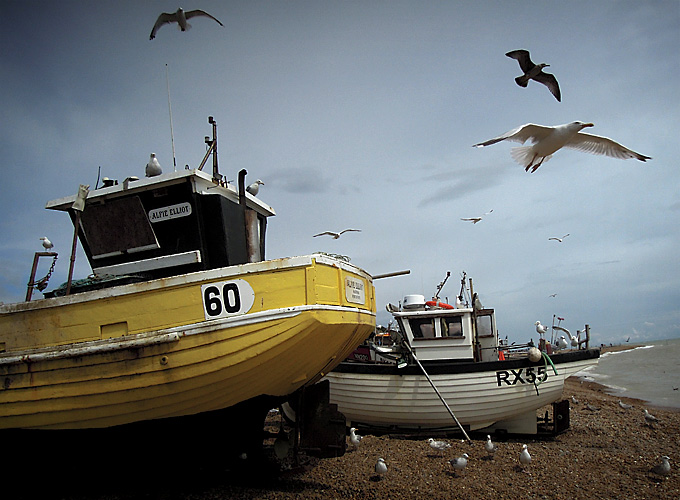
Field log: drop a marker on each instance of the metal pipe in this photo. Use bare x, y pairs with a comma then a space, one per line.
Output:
437, 391
389, 275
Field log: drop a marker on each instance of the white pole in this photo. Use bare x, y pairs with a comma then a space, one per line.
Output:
172, 136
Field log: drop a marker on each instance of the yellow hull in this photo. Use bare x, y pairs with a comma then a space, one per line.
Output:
171, 347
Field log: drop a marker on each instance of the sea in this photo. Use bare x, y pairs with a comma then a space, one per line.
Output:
650, 372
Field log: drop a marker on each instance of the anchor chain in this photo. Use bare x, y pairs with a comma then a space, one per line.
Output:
41, 284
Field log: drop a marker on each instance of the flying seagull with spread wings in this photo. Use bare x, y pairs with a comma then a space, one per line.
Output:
534, 72
547, 140
335, 235
558, 239
475, 220
180, 17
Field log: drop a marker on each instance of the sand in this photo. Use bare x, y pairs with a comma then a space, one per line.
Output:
605, 454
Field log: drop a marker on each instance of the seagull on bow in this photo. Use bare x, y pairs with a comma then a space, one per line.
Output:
664, 468
524, 457
534, 72
180, 17
490, 447
47, 244
475, 220
153, 168
459, 463
439, 445
540, 329
254, 188
335, 235
380, 467
547, 140
558, 239
354, 438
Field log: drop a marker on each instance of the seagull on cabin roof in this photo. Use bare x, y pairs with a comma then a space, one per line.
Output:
153, 168
180, 17
534, 72
335, 235
558, 239
254, 188
547, 140
475, 220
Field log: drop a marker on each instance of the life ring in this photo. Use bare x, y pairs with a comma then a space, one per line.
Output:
443, 305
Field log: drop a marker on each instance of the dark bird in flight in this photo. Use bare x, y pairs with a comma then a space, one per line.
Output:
180, 17
534, 72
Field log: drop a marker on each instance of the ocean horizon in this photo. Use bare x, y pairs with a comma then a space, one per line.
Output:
648, 372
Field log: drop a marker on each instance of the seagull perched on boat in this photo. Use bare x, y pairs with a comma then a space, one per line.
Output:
380, 467
459, 463
558, 239
475, 220
180, 17
336, 235
624, 405
664, 468
562, 343
540, 329
254, 188
153, 168
547, 140
490, 447
438, 445
354, 438
524, 457
47, 244
534, 72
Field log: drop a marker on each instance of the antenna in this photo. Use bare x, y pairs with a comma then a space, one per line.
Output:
172, 136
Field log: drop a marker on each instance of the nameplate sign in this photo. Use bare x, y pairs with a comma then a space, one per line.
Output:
171, 212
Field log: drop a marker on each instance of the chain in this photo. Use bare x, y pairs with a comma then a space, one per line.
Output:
41, 284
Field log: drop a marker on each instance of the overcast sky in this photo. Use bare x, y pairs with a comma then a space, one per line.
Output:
362, 114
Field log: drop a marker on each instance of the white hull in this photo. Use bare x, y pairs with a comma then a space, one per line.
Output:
479, 399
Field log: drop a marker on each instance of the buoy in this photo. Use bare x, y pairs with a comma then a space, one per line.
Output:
443, 305
501, 356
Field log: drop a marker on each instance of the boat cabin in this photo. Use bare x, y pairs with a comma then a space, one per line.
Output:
167, 225
437, 331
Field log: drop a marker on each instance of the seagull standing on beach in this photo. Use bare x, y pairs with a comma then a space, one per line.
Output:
475, 220
180, 17
624, 405
459, 463
47, 244
380, 467
438, 445
490, 447
335, 235
153, 168
524, 457
354, 438
558, 239
254, 188
664, 468
650, 419
534, 72
547, 140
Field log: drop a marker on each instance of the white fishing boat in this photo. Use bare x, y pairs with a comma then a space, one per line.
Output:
444, 367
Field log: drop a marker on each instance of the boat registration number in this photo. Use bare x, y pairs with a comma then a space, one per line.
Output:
524, 376
227, 298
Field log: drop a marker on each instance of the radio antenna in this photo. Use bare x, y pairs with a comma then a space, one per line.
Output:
172, 135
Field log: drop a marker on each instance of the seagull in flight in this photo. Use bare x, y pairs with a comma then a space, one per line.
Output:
475, 220
547, 140
534, 72
558, 239
180, 17
335, 235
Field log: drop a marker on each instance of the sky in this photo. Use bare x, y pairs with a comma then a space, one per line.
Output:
362, 114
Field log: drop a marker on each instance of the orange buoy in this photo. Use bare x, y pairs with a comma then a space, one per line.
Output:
443, 305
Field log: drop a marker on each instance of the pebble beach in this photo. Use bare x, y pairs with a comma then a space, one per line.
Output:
608, 452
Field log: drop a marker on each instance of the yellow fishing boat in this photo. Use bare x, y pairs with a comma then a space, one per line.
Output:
182, 316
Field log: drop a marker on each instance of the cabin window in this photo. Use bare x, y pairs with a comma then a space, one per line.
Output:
452, 326
484, 326
422, 328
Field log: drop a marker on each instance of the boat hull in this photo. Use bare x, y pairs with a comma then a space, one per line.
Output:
479, 394
173, 358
